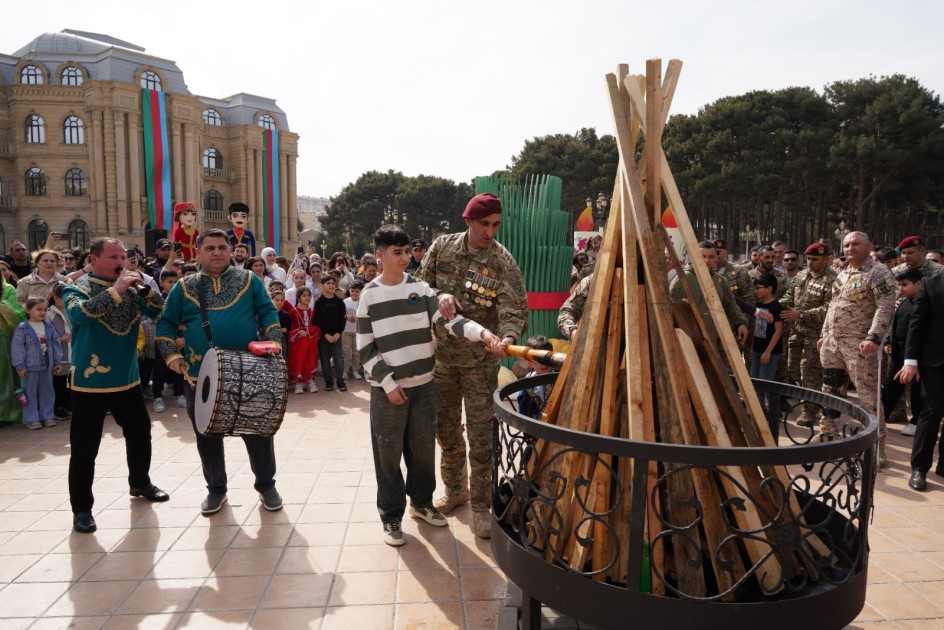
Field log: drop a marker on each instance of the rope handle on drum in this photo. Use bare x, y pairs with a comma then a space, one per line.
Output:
201, 295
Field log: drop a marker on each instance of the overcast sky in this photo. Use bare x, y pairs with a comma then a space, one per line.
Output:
455, 88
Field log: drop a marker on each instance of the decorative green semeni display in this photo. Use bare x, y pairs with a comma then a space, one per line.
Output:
534, 229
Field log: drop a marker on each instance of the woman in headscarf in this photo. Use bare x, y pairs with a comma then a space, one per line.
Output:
272, 267
11, 314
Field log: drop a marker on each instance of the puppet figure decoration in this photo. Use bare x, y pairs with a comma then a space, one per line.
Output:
185, 229
239, 218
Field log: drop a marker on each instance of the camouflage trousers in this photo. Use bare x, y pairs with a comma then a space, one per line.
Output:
804, 368
843, 353
474, 386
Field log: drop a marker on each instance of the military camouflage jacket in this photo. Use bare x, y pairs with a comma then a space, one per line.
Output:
572, 310
863, 302
782, 280
731, 310
928, 269
810, 293
738, 281
488, 285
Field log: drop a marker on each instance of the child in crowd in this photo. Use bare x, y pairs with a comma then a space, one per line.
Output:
299, 281
767, 336
36, 354
330, 319
56, 315
314, 280
188, 269
352, 363
531, 400
161, 375
395, 343
303, 336
285, 320
909, 283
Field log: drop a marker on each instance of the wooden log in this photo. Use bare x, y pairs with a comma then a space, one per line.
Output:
768, 569
652, 184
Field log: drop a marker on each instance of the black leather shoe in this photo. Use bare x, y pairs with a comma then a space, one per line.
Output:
917, 481
939, 471
84, 522
152, 493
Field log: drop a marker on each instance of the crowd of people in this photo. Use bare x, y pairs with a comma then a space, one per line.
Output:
87, 334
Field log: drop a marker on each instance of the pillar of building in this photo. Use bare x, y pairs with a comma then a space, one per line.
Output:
121, 177
134, 151
177, 159
191, 191
250, 198
109, 171
96, 147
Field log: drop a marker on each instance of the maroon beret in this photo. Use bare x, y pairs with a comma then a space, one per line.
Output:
720, 243
911, 241
817, 249
481, 206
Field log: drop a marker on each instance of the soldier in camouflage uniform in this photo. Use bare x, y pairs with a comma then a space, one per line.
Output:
736, 318
572, 310
791, 265
805, 305
913, 252
862, 306
738, 279
766, 258
473, 273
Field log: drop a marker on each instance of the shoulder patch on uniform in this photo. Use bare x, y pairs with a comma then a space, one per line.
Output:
881, 285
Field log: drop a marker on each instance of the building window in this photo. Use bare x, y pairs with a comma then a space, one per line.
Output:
3, 239
72, 76
78, 234
31, 75
150, 80
212, 158
267, 122
37, 234
76, 183
74, 130
35, 129
36, 184
212, 200
212, 117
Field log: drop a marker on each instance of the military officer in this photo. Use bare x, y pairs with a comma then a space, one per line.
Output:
913, 252
861, 308
417, 252
805, 304
471, 272
572, 310
738, 279
766, 257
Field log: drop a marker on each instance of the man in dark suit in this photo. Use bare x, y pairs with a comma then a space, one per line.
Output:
924, 362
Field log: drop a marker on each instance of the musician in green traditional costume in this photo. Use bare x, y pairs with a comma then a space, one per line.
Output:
238, 307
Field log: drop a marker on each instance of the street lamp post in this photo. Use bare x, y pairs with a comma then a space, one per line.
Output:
747, 235
840, 232
602, 214
324, 246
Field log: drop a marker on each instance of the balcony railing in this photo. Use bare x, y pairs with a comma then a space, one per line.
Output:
217, 173
6, 202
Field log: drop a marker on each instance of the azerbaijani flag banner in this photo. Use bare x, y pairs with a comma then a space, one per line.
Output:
270, 188
156, 158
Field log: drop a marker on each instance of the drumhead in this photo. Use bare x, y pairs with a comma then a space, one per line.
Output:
207, 386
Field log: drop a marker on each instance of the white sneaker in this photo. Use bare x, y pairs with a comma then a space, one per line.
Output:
299, 388
357, 376
312, 386
159, 406
909, 429
180, 401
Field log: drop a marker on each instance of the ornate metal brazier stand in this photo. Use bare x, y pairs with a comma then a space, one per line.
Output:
832, 484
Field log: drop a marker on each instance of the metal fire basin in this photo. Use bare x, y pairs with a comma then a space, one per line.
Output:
833, 483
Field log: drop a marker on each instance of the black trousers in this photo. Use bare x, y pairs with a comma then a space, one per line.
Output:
929, 423
892, 391
85, 436
213, 458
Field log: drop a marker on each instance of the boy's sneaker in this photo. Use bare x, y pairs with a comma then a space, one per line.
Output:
393, 535
357, 376
429, 514
180, 401
312, 386
909, 429
329, 387
61, 413
49, 423
34, 425
271, 500
159, 406
342, 387
299, 388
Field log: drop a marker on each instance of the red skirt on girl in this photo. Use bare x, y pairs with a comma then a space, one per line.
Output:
303, 349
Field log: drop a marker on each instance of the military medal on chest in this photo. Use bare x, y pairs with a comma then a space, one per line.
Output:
479, 288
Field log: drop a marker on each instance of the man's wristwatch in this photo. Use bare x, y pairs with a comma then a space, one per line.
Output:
874, 339
801, 316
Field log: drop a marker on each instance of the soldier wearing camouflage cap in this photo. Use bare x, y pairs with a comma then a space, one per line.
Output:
472, 273
805, 304
861, 308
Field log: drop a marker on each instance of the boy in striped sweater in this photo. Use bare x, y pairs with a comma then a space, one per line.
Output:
395, 345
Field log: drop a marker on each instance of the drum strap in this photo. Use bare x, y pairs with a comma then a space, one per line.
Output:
201, 295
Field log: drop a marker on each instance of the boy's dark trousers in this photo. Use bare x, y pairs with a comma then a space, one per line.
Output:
60, 384
326, 352
892, 391
161, 376
406, 431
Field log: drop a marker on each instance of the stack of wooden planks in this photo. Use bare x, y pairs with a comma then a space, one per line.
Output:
646, 368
